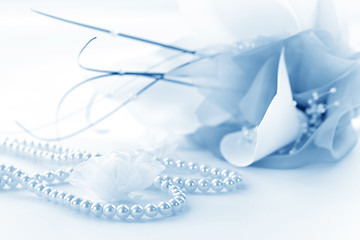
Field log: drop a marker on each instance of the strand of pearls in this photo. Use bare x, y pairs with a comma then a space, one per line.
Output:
212, 179
43, 151
11, 177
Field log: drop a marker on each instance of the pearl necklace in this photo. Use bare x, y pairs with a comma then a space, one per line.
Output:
213, 179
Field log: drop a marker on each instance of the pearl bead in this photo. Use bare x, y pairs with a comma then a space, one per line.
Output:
122, 211
167, 178
38, 177
193, 167
181, 200
60, 197
158, 181
174, 188
78, 156
204, 170
75, 203
225, 173
229, 184
17, 174
32, 184
46, 192
217, 185
237, 180
168, 162
9, 170
165, 208
151, 210
233, 174
215, 173
38, 189
203, 185
2, 169
175, 205
97, 209
60, 175
136, 211
85, 206
179, 181
109, 210
165, 186
56, 158
180, 194
49, 176
2, 182
190, 185
175, 191
69, 171
67, 199
180, 164
52, 196
24, 180
12, 182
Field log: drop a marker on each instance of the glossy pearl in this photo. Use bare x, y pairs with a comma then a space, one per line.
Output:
97, 209
225, 173
181, 200
60, 197
168, 162
46, 192
136, 211
32, 184
38, 189
52, 196
151, 210
158, 181
165, 186
168, 178
238, 180
193, 167
85, 206
165, 208
180, 164
217, 185
203, 185
180, 194
67, 199
12, 182
75, 203
49, 176
24, 180
174, 188
18, 174
215, 173
61, 175
9, 170
179, 181
204, 170
122, 211
233, 174
175, 205
2, 182
175, 192
190, 185
109, 211
38, 177
229, 184
2, 169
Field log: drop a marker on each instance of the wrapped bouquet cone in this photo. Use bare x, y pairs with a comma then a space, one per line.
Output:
281, 125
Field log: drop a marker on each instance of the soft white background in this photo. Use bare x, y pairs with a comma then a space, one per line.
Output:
38, 64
